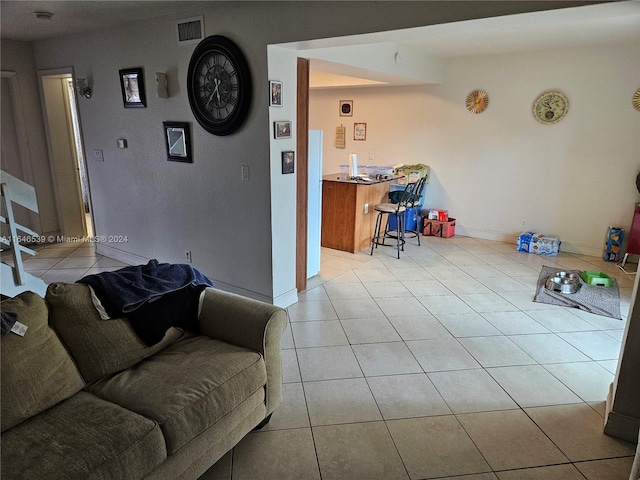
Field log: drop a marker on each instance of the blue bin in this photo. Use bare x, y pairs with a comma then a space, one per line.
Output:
409, 220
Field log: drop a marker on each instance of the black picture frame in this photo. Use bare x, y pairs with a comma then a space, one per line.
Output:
275, 93
288, 162
177, 140
132, 86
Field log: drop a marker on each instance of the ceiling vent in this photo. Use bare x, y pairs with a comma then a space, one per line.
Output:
190, 30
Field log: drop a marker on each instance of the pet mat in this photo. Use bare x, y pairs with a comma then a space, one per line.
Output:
594, 299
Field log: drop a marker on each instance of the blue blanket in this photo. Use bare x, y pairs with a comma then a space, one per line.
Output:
154, 296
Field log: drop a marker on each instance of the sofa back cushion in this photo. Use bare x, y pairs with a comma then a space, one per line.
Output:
37, 371
99, 347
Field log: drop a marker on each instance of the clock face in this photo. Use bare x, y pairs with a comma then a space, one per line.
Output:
219, 85
550, 107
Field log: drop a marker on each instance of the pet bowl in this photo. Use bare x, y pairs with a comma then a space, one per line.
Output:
563, 282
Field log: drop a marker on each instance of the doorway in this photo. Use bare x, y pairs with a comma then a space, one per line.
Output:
66, 152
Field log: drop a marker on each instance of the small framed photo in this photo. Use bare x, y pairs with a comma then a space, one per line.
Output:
288, 161
177, 138
132, 85
275, 93
346, 108
282, 129
360, 131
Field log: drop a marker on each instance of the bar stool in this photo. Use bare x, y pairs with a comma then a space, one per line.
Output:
398, 209
413, 202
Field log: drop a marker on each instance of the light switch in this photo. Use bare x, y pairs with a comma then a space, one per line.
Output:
244, 173
122, 143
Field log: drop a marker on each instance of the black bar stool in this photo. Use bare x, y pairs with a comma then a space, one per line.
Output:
407, 198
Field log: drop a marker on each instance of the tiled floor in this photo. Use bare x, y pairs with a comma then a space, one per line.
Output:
437, 365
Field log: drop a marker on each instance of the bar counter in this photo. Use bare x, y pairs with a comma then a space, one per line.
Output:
348, 216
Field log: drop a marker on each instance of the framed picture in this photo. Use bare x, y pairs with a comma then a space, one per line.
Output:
177, 138
288, 161
346, 108
282, 129
132, 84
275, 93
360, 131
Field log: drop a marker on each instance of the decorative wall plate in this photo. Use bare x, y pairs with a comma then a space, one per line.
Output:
636, 100
550, 107
477, 101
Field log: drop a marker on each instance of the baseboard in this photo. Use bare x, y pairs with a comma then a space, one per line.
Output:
622, 426
569, 247
219, 284
132, 259
286, 299
120, 255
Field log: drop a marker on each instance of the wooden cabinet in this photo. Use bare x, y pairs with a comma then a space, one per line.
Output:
345, 225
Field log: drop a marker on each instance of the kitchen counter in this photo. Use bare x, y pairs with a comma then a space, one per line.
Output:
348, 215
338, 177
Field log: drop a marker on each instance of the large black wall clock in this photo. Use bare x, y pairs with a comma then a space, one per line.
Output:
219, 85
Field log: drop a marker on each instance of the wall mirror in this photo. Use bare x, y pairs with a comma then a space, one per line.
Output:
178, 141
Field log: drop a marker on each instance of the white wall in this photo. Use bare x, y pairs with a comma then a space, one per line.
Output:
497, 168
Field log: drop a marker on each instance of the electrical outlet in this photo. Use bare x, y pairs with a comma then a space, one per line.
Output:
371, 156
98, 155
523, 223
187, 256
244, 173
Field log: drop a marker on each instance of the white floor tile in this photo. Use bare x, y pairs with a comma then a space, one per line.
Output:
532, 386
467, 391
406, 396
390, 358
331, 402
360, 451
328, 363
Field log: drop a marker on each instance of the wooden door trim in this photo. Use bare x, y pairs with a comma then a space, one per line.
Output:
302, 169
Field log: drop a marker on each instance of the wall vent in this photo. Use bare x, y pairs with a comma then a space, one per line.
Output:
190, 30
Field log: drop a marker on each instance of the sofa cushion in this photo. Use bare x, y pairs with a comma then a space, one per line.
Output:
37, 371
99, 347
187, 387
83, 437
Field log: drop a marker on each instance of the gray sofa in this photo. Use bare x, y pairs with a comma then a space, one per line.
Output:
84, 398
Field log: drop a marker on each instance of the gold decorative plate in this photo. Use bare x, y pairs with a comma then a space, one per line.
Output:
636, 100
477, 101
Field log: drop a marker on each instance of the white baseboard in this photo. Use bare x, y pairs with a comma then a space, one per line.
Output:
569, 247
286, 299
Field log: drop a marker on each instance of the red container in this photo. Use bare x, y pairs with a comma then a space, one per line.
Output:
436, 228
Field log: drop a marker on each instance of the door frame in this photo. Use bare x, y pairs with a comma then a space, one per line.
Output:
65, 72
302, 175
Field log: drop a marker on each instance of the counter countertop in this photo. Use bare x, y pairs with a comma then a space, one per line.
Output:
339, 177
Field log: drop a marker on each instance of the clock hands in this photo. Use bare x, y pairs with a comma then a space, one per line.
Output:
215, 92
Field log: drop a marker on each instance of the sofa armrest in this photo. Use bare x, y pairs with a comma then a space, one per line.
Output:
250, 324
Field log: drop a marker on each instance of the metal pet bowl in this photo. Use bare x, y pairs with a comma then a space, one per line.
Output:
563, 282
